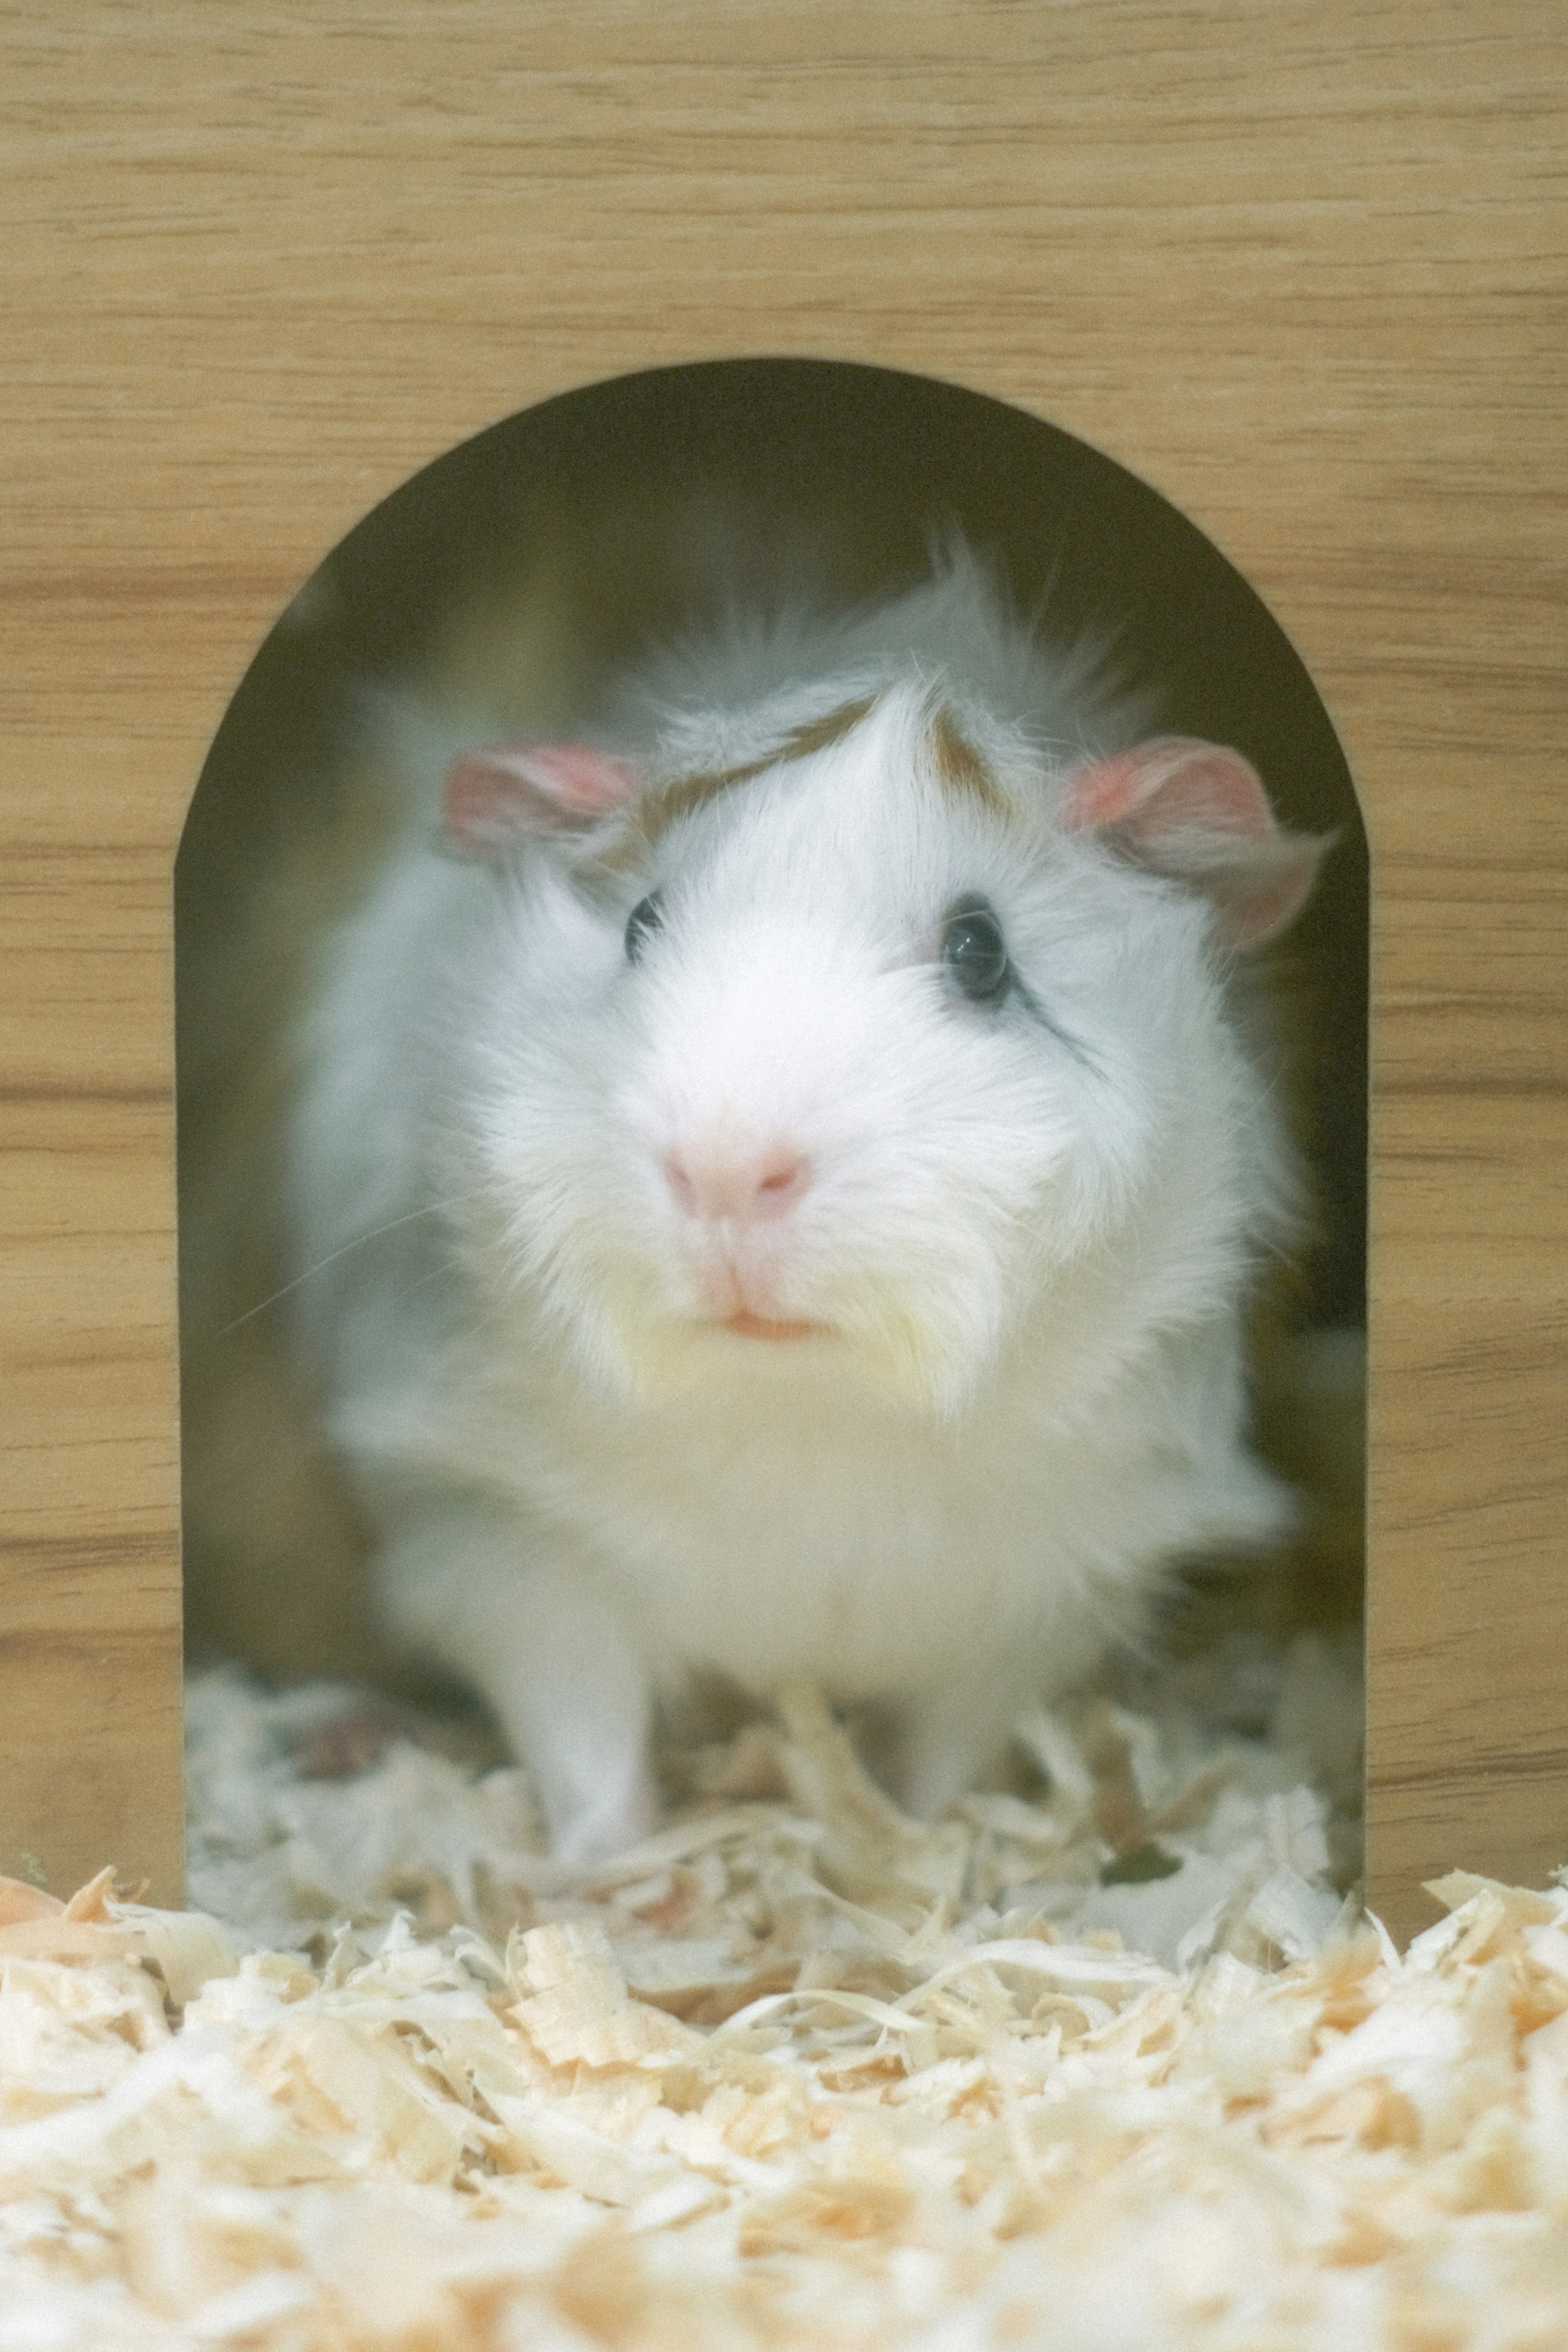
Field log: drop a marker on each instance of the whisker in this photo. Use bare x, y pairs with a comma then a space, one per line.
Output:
431, 1209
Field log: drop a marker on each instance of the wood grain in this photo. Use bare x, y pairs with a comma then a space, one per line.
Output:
1301, 267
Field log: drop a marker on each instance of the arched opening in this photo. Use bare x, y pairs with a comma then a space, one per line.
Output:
846, 472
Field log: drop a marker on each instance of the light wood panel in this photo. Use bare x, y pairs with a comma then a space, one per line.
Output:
1301, 266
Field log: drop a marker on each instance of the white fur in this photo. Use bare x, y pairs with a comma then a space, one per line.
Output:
1027, 1245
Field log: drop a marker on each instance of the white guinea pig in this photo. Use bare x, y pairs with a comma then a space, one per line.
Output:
779, 1177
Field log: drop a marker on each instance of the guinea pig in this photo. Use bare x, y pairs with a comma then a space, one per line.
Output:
779, 1176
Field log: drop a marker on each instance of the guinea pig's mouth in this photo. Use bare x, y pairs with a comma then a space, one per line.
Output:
747, 1326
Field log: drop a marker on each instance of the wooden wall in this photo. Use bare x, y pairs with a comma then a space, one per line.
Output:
1301, 267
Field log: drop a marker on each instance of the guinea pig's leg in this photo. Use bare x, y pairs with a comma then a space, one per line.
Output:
945, 1740
464, 1584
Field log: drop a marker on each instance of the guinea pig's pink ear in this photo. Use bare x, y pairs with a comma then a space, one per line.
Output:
1197, 812
511, 793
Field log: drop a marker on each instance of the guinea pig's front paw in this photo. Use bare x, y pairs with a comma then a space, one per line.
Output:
597, 1830
553, 1657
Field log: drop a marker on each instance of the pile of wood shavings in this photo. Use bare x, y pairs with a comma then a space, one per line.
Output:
797, 2073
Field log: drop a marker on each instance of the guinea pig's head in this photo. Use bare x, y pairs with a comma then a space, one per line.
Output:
871, 1047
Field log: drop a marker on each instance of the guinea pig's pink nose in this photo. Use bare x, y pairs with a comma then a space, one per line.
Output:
736, 1181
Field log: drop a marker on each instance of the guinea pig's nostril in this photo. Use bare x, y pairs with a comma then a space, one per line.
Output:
780, 1182
679, 1180
737, 1182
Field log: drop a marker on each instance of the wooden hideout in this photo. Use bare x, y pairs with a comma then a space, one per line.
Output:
1301, 269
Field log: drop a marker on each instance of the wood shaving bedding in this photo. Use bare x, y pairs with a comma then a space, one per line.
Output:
1104, 2063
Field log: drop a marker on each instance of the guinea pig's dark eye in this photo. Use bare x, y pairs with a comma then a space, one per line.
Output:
974, 953
646, 916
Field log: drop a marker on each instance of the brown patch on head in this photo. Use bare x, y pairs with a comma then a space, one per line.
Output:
661, 808
667, 803
959, 767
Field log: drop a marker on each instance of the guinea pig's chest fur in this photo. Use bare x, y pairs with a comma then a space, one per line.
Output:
776, 1525
784, 1205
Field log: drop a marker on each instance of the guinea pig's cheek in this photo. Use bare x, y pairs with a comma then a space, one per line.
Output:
1104, 1165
